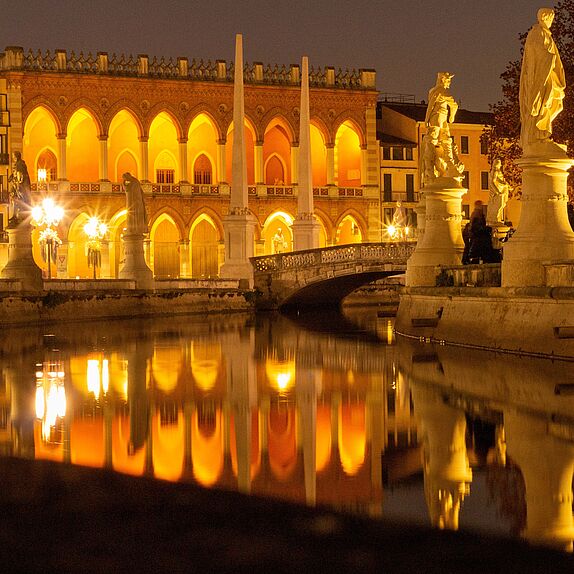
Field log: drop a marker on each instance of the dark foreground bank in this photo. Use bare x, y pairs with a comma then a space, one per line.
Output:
60, 518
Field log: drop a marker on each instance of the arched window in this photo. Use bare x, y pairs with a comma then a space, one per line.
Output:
46, 166
202, 170
165, 168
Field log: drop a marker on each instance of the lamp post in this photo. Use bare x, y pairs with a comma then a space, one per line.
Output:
48, 215
95, 230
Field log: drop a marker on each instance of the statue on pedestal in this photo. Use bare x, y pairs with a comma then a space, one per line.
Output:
542, 83
136, 211
19, 192
439, 156
498, 194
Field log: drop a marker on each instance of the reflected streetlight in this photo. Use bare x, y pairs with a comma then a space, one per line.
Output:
48, 215
95, 230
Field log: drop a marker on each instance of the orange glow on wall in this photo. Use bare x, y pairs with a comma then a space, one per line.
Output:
249, 146
207, 448
39, 136
202, 140
318, 157
124, 458
87, 442
277, 155
348, 157
123, 146
168, 447
323, 452
82, 147
282, 440
163, 146
352, 436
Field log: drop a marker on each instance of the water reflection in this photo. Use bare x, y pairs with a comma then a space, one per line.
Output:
337, 413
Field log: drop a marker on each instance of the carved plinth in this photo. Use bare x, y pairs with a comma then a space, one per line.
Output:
543, 234
305, 232
441, 243
135, 267
239, 227
21, 264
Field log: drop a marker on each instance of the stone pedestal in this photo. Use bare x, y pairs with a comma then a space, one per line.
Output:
21, 264
239, 229
305, 232
135, 267
499, 232
441, 243
543, 233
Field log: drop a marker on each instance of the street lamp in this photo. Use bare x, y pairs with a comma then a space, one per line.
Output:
95, 230
48, 215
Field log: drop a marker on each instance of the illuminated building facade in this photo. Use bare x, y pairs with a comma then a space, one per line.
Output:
83, 121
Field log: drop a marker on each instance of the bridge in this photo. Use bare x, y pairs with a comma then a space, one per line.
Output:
323, 277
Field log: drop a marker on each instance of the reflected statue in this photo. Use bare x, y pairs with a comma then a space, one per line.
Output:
19, 192
497, 194
136, 211
542, 82
439, 158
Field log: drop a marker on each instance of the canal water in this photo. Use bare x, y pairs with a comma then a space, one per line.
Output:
332, 409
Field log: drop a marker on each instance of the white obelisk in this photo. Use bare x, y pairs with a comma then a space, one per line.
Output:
239, 224
305, 227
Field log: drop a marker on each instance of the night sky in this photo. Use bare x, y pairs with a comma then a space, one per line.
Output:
406, 42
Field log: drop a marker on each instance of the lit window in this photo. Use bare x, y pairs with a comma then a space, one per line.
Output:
164, 175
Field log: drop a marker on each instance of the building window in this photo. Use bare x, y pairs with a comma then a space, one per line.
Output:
202, 171
465, 179
465, 211
164, 175
388, 187
464, 144
484, 180
386, 153
398, 153
408, 153
4, 157
410, 186
483, 146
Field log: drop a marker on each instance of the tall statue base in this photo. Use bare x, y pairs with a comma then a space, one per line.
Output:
21, 264
543, 233
239, 229
305, 232
441, 243
135, 267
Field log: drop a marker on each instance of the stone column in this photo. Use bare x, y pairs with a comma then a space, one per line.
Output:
364, 165
441, 243
105, 269
183, 160
295, 169
543, 233
135, 267
62, 157
239, 224
305, 227
547, 465
103, 158
21, 264
144, 159
259, 172
330, 164
221, 166
184, 259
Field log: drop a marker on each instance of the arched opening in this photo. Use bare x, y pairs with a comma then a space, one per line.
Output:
83, 149
277, 154
202, 140
165, 248
348, 231
117, 227
277, 234
46, 166
202, 171
204, 248
123, 146
39, 136
347, 157
163, 149
318, 157
77, 249
274, 171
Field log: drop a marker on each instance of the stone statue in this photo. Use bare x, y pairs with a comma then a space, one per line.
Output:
279, 243
136, 217
438, 156
19, 192
542, 82
399, 221
498, 194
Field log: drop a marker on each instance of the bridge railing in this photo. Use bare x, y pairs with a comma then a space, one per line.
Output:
388, 252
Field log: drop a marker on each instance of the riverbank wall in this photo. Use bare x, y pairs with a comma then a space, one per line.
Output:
533, 321
82, 300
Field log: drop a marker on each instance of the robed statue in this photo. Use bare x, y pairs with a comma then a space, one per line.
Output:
498, 190
136, 211
19, 191
542, 82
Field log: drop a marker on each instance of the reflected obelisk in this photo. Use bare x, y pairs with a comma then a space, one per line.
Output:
239, 223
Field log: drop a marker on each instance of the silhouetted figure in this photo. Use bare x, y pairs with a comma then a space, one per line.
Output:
480, 248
